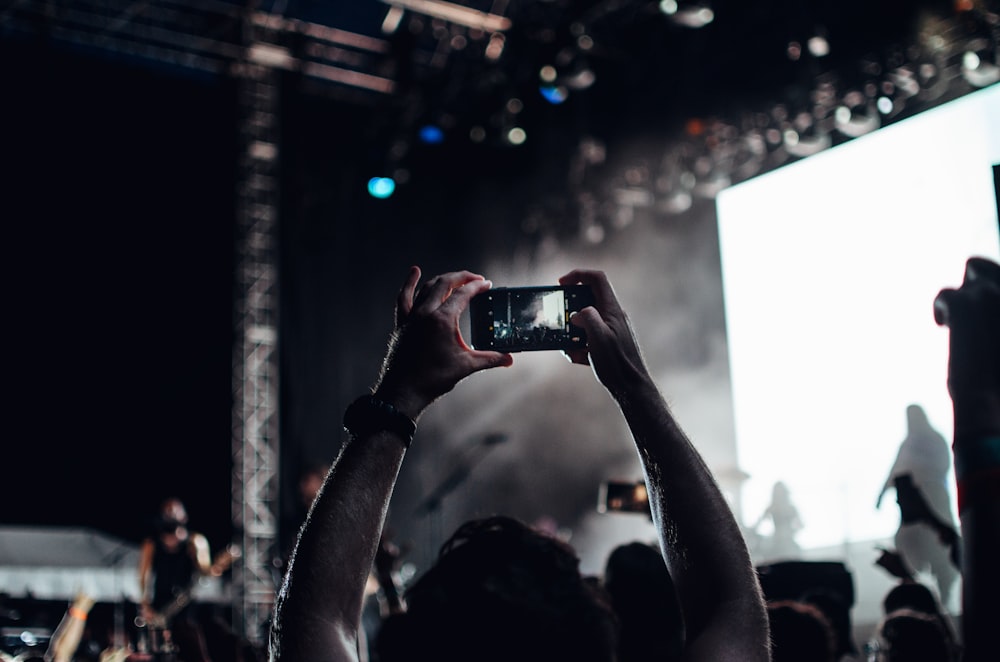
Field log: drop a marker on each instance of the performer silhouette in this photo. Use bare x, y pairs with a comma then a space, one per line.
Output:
927, 537
785, 519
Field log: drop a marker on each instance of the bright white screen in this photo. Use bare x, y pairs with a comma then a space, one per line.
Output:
830, 266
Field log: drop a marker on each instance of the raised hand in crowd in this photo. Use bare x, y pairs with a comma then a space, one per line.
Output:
972, 314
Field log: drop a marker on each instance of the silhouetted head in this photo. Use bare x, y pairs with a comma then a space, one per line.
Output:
836, 607
912, 636
310, 481
910, 595
780, 494
172, 516
643, 596
916, 418
800, 631
502, 591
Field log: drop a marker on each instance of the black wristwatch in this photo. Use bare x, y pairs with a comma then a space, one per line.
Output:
368, 415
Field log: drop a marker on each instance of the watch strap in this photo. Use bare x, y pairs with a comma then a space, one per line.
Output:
368, 415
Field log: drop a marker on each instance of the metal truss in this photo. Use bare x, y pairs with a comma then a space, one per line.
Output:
204, 37
255, 479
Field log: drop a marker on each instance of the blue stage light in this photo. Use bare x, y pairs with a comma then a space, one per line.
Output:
381, 187
554, 94
431, 135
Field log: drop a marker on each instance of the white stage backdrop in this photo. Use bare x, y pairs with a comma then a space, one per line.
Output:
830, 267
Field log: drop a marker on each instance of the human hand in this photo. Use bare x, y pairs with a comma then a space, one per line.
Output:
893, 563
427, 355
972, 313
612, 349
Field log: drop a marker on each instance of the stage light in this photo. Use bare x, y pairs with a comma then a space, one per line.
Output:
695, 16
856, 116
516, 136
884, 105
554, 94
890, 98
594, 234
800, 145
494, 49
477, 134
581, 79
455, 13
976, 67
548, 74
392, 19
677, 202
668, 7
514, 106
381, 187
593, 151
933, 85
819, 46
431, 134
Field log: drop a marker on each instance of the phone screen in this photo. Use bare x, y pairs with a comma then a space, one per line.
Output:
523, 319
623, 497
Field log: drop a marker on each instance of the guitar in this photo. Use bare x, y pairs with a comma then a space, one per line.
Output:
162, 619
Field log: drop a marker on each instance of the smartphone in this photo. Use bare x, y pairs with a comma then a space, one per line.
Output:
623, 497
526, 319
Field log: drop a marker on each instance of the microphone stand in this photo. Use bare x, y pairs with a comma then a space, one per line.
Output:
113, 560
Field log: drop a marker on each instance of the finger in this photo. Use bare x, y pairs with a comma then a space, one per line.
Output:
590, 321
460, 296
604, 293
404, 301
437, 290
943, 304
979, 269
484, 360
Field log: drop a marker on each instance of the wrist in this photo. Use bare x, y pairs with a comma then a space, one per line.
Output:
369, 415
405, 400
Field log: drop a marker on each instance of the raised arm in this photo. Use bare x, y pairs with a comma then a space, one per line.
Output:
318, 611
718, 589
972, 312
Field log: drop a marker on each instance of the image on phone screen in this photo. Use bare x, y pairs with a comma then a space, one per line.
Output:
521, 319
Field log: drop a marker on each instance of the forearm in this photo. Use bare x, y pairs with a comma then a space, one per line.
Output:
980, 577
319, 606
976, 417
701, 540
977, 468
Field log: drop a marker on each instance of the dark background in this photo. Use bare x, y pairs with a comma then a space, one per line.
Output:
118, 199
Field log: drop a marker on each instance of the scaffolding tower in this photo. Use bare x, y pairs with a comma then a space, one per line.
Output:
255, 479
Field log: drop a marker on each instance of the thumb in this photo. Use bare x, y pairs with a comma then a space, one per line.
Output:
592, 324
586, 318
483, 360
